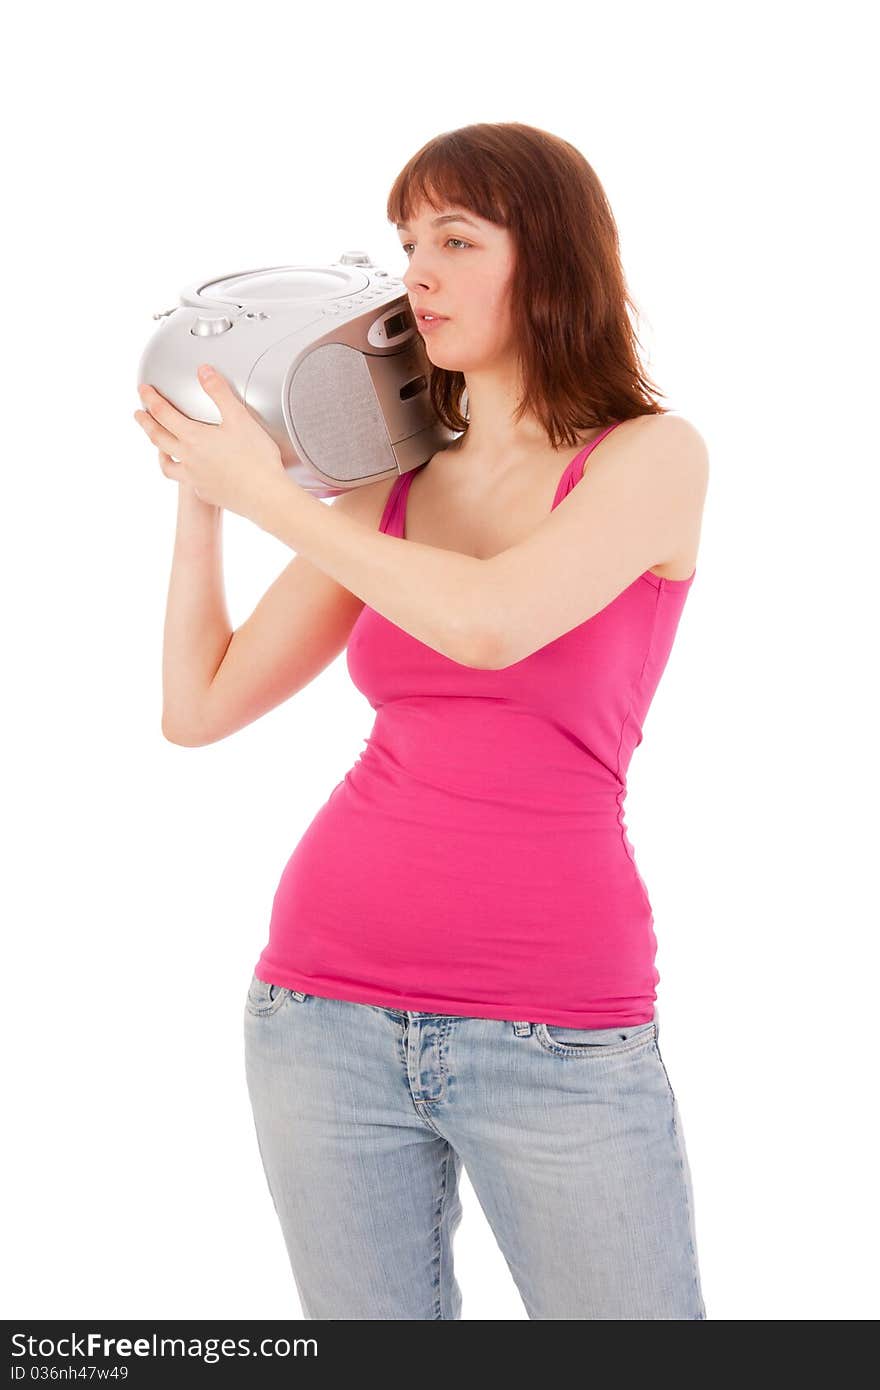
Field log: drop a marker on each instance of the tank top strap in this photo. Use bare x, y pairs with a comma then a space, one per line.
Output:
574, 471
391, 516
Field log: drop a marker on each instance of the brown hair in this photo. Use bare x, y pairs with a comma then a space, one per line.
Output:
577, 344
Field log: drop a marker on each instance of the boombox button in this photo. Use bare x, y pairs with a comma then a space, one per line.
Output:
206, 328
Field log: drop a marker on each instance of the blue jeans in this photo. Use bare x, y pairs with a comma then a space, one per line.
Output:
571, 1139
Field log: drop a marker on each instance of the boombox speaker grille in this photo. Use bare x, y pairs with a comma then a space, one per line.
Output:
336, 414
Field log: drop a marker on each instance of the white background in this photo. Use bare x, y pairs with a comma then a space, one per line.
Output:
150, 149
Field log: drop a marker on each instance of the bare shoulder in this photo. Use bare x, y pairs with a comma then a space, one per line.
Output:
668, 466
679, 440
663, 450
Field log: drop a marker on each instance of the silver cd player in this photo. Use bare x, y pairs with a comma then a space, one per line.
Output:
327, 358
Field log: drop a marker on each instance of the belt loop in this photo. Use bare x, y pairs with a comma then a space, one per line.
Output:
656, 1024
522, 1030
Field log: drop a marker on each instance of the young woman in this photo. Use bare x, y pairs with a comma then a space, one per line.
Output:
460, 964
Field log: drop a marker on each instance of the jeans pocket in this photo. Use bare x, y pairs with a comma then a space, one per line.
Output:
594, 1043
264, 998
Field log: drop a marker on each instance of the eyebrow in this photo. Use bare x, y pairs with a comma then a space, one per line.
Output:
447, 217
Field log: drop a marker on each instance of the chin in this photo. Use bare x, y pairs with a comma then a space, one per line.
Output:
438, 359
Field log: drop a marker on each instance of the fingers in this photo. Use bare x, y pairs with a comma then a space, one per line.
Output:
163, 411
162, 438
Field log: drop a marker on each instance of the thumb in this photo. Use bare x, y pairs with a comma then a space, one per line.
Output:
217, 386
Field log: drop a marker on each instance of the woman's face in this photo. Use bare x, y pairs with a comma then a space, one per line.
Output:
461, 268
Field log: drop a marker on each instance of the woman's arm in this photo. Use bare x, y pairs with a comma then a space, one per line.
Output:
197, 626
433, 594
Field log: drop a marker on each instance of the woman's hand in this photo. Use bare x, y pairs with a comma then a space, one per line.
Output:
228, 465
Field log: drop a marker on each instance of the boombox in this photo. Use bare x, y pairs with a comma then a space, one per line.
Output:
328, 358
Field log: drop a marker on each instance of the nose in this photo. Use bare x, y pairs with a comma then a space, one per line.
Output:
413, 280
412, 283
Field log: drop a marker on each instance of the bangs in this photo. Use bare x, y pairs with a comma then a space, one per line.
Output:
442, 177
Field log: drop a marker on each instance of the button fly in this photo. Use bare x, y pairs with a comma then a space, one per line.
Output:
425, 1056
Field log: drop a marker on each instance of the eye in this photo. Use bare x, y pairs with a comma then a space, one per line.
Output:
405, 244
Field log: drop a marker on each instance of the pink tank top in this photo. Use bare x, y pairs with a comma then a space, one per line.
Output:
475, 859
